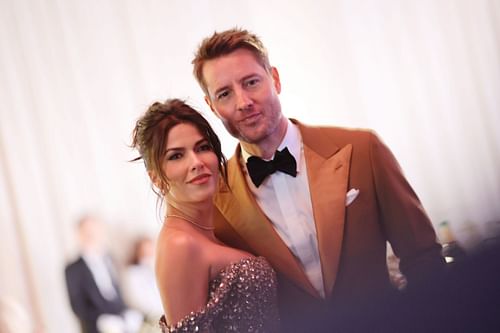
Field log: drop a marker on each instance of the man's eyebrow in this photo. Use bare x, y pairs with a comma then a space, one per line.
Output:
249, 76
218, 90
244, 78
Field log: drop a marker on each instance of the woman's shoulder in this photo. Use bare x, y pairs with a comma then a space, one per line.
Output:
181, 257
176, 244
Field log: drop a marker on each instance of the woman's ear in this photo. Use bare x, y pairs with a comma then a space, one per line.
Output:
155, 179
159, 183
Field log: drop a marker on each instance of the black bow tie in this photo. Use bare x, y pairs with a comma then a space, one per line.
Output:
283, 161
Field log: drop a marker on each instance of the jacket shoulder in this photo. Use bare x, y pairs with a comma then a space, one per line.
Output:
75, 265
339, 135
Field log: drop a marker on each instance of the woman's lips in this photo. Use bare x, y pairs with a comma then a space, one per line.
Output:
201, 179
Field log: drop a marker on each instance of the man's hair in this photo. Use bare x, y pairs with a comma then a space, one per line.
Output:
223, 43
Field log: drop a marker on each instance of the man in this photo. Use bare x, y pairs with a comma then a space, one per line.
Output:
333, 198
92, 286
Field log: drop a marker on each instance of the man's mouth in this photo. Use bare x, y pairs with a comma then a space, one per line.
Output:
250, 119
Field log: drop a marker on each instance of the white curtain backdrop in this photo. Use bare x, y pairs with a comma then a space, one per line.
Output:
75, 75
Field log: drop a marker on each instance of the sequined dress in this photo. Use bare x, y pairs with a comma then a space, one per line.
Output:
242, 298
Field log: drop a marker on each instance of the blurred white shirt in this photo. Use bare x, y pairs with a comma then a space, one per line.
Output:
141, 292
101, 271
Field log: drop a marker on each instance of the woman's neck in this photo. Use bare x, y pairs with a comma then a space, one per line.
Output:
200, 215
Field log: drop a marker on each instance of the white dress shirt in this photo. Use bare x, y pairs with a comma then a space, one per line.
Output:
101, 273
286, 201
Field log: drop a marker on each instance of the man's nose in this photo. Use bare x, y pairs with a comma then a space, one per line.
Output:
243, 100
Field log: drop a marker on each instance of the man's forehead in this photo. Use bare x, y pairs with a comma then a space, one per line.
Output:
231, 67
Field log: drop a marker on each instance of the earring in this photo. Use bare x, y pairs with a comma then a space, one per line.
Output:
165, 189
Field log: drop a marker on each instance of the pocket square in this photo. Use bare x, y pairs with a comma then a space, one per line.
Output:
351, 195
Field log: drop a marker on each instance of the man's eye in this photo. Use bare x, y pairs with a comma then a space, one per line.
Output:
252, 82
223, 94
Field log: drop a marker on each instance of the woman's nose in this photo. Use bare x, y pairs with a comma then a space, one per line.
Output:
195, 161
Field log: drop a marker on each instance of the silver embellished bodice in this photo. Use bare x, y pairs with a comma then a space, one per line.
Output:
242, 298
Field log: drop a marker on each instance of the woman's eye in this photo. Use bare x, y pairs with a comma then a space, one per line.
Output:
205, 147
174, 157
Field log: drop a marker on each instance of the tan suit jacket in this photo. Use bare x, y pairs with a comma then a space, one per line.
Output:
352, 239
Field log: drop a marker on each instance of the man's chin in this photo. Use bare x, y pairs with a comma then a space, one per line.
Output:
252, 135
254, 140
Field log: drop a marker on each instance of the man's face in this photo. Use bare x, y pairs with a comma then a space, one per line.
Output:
244, 96
92, 236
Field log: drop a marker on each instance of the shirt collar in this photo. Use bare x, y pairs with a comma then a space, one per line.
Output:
292, 141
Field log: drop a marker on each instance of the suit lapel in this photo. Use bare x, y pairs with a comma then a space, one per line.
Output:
243, 213
328, 174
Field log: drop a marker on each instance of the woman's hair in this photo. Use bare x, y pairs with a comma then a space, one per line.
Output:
151, 131
223, 43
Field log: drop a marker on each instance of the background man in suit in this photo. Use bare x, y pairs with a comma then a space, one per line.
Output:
92, 285
319, 203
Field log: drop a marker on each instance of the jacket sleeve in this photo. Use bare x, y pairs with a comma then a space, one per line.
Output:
226, 233
77, 296
405, 222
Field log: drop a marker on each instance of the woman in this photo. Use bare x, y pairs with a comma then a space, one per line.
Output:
204, 284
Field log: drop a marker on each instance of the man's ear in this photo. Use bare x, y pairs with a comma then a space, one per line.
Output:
276, 79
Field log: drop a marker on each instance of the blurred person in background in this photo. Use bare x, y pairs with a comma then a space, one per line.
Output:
92, 284
139, 284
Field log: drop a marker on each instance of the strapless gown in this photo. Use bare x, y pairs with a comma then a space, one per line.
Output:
242, 298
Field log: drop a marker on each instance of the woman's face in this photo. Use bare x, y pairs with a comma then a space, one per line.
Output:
190, 165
